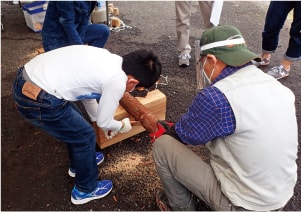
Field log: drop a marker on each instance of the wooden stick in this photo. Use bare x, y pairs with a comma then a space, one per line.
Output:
139, 112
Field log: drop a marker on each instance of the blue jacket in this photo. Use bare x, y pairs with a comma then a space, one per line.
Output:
66, 22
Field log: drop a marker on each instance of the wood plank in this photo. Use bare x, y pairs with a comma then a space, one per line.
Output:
155, 102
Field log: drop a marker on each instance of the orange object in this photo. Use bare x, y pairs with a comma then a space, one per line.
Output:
154, 104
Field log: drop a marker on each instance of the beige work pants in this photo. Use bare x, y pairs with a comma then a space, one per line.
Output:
183, 15
181, 172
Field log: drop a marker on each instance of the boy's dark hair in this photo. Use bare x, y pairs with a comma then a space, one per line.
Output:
144, 66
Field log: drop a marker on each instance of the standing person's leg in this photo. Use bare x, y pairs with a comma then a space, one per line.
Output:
181, 172
274, 21
97, 35
206, 8
293, 52
183, 14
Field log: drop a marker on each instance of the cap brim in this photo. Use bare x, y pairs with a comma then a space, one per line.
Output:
237, 58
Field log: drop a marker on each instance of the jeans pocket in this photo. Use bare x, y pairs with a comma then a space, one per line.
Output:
31, 114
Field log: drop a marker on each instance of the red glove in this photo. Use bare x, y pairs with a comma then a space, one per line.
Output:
163, 126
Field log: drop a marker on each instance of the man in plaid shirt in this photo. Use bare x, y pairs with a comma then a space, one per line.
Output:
246, 119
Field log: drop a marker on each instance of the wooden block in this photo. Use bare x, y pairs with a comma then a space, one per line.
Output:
155, 102
115, 22
116, 11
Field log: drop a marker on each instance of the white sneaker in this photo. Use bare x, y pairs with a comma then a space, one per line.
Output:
184, 59
278, 72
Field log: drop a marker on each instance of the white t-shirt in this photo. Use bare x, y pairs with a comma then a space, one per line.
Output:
81, 72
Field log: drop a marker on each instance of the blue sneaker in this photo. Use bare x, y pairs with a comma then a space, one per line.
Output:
103, 188
99, 159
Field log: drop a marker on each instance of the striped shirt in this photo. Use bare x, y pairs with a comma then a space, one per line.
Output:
209, 116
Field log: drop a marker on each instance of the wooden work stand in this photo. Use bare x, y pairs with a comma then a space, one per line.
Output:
155, 102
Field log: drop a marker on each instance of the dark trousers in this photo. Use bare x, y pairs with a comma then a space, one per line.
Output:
275, 19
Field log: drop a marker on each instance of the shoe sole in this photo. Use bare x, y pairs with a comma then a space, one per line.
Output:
183, 62
277, 78
86, 200
264, 64
281, 77
101, 161
258, 64
184, 65
71, 174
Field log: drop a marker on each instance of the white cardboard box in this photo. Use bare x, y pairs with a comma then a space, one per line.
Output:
34, 14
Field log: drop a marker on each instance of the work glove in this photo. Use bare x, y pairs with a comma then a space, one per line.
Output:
126, 125
163, 126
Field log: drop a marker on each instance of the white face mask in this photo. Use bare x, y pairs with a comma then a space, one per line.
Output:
206, 79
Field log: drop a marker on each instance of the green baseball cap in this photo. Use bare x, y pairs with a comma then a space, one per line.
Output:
227, 44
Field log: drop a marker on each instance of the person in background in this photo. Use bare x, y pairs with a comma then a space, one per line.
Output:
46, 88
68, 23
274, 21
252, 144
183, 21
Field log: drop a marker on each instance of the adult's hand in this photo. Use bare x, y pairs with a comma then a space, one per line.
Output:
163, 126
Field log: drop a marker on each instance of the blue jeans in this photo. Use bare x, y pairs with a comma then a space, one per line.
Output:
62, 120
275, 19
96, 35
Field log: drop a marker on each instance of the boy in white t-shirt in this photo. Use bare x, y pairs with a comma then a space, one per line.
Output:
46, 87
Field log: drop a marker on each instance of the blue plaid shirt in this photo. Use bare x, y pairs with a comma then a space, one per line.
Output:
209, 116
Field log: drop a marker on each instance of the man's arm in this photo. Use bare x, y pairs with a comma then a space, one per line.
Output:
208, 117
67, 11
